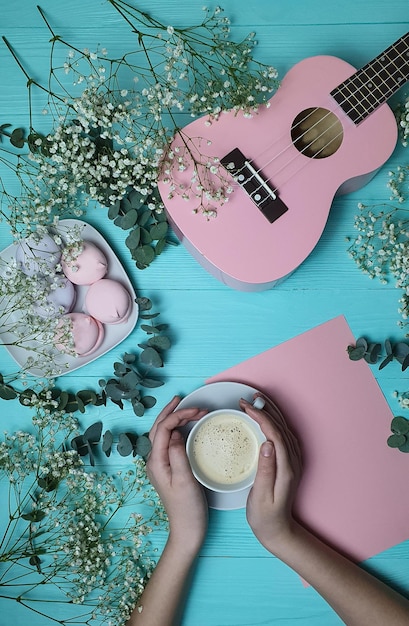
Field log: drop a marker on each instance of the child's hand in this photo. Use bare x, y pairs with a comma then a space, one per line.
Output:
269, 505
169, 472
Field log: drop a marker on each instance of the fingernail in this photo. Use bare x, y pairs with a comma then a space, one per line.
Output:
267, 449
259, 403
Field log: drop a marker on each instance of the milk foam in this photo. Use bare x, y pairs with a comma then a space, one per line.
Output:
225, 449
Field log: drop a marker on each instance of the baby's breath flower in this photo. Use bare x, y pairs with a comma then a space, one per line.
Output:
68, 516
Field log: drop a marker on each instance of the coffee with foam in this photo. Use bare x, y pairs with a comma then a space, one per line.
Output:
225, 449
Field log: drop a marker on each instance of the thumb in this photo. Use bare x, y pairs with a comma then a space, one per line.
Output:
266, 470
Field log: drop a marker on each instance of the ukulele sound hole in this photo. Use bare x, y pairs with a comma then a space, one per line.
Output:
317, 133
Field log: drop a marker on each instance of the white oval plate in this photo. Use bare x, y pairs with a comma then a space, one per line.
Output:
114, 333
222, 395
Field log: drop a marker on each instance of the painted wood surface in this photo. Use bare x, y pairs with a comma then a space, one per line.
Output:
237, 583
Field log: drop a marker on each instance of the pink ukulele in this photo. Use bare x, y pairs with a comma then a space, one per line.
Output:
325, 131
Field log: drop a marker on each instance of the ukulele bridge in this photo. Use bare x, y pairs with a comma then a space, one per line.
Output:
251, 180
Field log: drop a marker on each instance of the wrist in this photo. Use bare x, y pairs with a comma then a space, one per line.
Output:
282, 542
184, 547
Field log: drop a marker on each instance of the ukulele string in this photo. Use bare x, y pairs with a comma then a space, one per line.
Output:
311, 113
267, 181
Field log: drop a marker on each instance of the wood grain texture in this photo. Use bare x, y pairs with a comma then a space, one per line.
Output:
237, 583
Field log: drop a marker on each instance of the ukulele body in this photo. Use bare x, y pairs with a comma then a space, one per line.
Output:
240, 246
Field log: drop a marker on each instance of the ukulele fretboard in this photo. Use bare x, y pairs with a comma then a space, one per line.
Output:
372, 85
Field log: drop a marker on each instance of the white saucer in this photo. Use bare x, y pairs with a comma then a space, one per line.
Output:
223, 395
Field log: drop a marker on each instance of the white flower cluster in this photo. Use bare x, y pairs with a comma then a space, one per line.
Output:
97, 153
64, 518
381, 249
402, 116
110, 139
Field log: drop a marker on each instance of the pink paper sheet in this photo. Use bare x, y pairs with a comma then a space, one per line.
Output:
354, 488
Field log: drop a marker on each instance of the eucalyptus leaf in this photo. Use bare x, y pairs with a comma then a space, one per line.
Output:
149, 329
144, 217
405, 446
36, 515
405, 363
151, 357
113, 210
138, 408
144, 304
373, 352
357, 353
126, 205
130, 380
400, 425
148, 401
7, 392
160, 246
129, 219
158, 231
149, 316
93, 432
146, 236
114, 391
80, 404
34, 560
386, 361
63, 400
72, 403
107, 442
143, 446
159, 341
362, 343
87, 396
48, 483
17, 138
125, 445
136, 199
120, 368
400, 351
133, 239
143, 256
395, 441
80, 445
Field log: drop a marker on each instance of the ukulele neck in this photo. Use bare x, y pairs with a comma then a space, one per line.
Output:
372, 85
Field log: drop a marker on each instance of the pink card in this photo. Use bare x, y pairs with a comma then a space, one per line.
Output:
353, 491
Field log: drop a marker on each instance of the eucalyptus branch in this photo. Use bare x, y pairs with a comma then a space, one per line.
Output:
372, 353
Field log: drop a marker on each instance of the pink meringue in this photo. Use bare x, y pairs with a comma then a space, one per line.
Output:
87, 267
87, 333
108, 301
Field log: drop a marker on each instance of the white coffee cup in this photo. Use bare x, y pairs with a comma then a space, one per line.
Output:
223, 449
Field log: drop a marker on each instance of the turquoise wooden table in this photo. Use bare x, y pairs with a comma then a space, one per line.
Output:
213, 327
